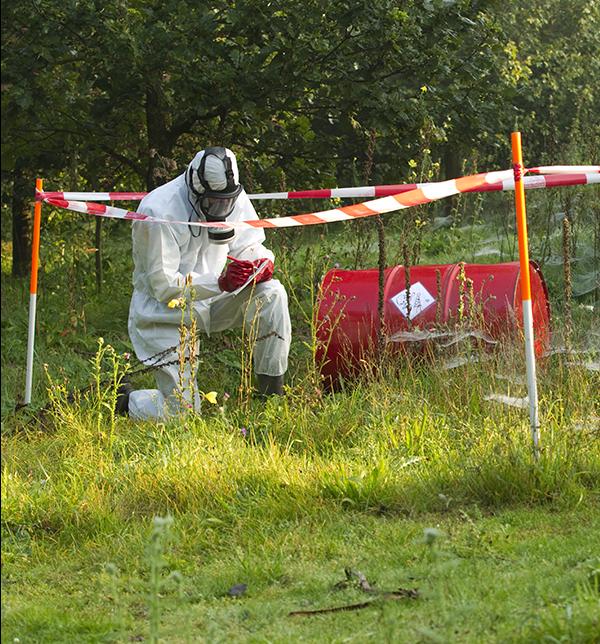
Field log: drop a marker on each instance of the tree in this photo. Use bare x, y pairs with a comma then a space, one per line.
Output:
125, 92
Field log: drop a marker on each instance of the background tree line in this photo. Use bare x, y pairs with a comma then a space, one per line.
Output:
115, 94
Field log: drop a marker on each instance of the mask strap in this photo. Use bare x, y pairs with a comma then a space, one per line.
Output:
221, 154
190, 219
229, 173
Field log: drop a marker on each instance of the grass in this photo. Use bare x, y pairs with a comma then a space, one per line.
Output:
475, 582
114, 531
353, 481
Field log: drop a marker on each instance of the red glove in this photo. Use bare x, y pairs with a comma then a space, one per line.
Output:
236, 274
239, 271
266, 272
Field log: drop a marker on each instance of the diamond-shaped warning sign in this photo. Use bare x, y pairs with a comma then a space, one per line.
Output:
420, 299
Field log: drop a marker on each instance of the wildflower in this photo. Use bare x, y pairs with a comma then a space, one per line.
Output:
226, 396
161, 522
176, 576
243, 431
211, 396
430, 535
176, 303
111, 569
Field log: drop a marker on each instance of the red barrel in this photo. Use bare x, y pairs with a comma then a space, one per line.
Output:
484, 296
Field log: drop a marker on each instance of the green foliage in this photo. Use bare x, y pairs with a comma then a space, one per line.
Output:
123, 91
411, 473
558, 98
314, 483
443, 496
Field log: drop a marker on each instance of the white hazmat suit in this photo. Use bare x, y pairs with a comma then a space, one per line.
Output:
164, 257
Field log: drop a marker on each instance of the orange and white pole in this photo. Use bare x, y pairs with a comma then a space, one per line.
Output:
35, 256
517, 158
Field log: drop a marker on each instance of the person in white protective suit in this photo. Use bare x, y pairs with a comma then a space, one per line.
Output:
174, 261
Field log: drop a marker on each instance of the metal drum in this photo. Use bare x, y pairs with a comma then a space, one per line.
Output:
487, 296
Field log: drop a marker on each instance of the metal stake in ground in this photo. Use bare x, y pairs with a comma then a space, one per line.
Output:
35, 254
517, 158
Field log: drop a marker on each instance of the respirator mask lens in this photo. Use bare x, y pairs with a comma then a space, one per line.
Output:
216, 208
215, 205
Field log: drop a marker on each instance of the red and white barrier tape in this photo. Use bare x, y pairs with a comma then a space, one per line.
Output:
573, 171
426, 194
564, 169
88, 196
537, 181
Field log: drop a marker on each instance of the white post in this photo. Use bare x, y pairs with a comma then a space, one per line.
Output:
517, 157
532, 392
30, 346
35, 254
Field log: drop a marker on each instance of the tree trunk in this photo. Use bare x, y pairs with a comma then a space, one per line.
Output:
92, 178
160, 141
21, 220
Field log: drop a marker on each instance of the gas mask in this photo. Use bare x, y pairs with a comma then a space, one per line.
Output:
215, 205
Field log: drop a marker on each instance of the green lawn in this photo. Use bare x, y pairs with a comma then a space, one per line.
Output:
412, 478
427, 487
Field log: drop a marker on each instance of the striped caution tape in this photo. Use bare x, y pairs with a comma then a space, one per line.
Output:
536, 181
567, 175
426, 194
564, 169
89, 196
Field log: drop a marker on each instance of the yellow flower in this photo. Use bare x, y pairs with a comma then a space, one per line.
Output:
211, 396
175, 304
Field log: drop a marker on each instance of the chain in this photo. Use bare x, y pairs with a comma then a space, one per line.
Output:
154, 361
146, 365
